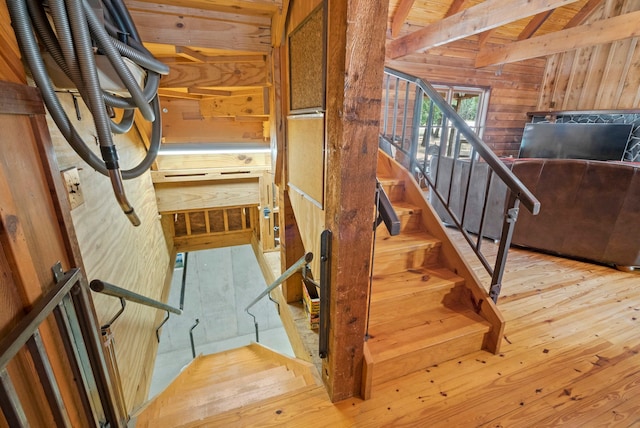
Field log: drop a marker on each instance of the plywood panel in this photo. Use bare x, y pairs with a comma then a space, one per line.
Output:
239, 162
115, 251
306, 161
203, 194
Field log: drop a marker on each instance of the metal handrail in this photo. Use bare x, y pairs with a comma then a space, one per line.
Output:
100, 286
302, 262
513, 183
516, 191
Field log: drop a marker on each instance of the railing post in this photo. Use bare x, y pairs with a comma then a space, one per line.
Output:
510, 217
415, 131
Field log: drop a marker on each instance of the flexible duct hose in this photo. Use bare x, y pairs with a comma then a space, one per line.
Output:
77, 29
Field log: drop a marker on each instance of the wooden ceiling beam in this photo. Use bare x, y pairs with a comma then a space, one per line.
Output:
218, 59
264, 8
190, 54
533, 25
215, 75
178, 94
225, 92
595, 33
402, 11
456, 6
198, 28
476, 19
583, 14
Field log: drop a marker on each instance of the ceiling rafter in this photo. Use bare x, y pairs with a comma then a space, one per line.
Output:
583, 14
400, 16
594, 33
471, 21
535, 23
456, 6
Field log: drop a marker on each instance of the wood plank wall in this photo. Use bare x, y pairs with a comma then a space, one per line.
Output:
195, 121
135, 258
31, 239
514, 88
600, 77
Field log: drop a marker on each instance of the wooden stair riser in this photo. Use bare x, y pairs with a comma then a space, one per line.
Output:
429, 302
412, 283
394, 189
407, 259
410, 221
424, 358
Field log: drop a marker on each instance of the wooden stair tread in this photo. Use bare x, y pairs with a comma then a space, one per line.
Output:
412, 282
405, 242
260, 413
408, 316
191, 412
395, 343
199, 389
226, 365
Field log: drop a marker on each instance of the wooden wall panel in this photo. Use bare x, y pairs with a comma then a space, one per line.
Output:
11, 69
514, 88
135, 258
306, 150
207, 194
184, 122
603, 77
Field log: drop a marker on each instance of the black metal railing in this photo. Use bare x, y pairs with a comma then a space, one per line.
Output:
69, 302
426, 135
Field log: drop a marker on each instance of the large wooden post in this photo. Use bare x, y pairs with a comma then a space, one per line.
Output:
355, 65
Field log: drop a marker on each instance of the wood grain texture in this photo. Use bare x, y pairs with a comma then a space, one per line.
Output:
201, 194
114, 251
595, 77
515, 88
306, 155
472, 21
195, 27
354, 87
11, 69
570, 357
210, 75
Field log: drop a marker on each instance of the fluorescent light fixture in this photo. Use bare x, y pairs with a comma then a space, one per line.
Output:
183, 149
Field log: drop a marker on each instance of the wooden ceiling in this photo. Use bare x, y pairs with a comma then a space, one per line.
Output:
223, 46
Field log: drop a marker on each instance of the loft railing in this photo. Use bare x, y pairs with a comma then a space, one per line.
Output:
67, 301
423, 132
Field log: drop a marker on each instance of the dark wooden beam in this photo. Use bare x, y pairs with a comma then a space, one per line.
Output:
354, 88
583, 14
533, 25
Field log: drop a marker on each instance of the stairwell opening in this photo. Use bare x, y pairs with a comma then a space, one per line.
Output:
219, 283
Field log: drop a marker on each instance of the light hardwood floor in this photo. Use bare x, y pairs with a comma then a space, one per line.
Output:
570, 357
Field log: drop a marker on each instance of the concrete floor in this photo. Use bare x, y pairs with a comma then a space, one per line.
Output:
220, 283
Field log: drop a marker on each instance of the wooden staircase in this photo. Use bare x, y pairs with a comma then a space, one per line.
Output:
427, 306
215, 386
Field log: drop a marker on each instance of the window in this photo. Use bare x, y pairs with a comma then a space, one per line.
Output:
471, 105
